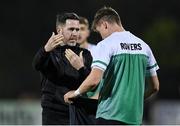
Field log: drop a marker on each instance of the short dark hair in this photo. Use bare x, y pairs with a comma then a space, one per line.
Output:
61, 18
107, 14
83, 20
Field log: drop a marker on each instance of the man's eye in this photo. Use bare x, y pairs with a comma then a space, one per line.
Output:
72, 29
77, 29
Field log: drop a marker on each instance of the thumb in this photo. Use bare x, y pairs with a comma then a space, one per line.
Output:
80, 54
52, 34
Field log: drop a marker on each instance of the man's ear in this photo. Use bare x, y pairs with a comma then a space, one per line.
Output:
58, 29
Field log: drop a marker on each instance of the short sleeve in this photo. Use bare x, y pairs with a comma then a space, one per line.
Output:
101, 56
152, 65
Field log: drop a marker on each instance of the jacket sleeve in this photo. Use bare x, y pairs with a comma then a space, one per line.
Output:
84, 71
42, 62
40, 59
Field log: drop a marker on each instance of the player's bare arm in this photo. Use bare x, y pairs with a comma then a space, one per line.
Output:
91, 82
153, 86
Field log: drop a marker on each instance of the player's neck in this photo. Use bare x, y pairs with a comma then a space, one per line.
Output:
117, 28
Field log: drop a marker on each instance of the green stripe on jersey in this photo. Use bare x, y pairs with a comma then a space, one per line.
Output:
101, 62
150, 67
122, 93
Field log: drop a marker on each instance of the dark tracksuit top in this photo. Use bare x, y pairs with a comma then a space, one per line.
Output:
58, 76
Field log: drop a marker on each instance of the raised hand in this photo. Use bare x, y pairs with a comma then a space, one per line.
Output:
53, 42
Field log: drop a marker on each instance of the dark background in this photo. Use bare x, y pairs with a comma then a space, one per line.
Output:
25, 26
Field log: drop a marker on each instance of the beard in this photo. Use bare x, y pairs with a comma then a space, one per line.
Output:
71, 43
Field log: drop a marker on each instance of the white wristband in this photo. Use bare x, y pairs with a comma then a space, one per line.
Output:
77, 92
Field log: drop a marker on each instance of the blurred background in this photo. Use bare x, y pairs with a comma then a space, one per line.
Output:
26, 25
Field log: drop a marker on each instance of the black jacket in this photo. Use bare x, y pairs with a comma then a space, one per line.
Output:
58, 76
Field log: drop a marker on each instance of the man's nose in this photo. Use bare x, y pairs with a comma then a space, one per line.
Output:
75, 32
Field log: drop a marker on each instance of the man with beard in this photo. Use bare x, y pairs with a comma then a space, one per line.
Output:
58, 76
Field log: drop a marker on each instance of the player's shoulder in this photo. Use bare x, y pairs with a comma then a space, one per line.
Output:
142, 42
146, 47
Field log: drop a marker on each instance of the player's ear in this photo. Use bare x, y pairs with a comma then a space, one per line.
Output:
106, 25
88, 33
